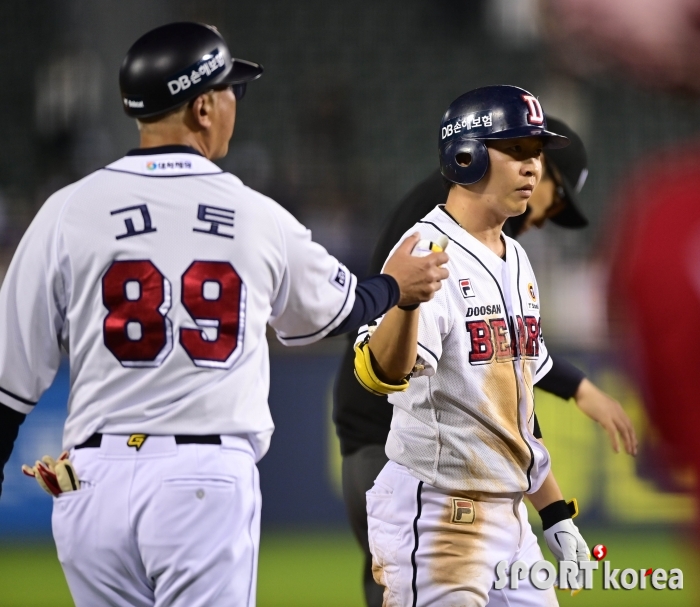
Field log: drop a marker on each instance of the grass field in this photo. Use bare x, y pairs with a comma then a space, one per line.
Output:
322, 570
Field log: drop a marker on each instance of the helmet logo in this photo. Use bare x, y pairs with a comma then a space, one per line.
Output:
467, 123
535, 113
209, 65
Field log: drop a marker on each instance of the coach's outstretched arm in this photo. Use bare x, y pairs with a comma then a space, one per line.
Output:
407, 280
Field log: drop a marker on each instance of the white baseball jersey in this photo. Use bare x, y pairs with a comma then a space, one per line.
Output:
466, 421
158, 274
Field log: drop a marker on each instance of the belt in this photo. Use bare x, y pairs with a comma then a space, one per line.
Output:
95, 441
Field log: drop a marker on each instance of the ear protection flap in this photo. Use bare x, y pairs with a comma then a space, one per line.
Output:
464, 161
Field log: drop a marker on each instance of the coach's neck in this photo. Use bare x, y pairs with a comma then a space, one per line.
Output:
205, 124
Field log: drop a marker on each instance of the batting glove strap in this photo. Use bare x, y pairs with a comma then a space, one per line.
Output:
54, 476
558, 511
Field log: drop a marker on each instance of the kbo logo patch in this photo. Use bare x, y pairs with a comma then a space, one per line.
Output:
466, 285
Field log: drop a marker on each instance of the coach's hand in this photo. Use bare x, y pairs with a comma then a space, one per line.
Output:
418, 277
605, 410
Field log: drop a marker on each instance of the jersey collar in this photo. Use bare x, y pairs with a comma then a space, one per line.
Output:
163, 149
444, 222
165, 161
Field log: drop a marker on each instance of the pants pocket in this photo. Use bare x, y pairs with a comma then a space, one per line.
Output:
71, 519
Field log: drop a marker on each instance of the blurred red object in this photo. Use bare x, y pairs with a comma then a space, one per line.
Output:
652, 41
654, 295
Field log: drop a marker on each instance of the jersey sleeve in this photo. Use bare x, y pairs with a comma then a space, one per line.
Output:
32, 315
544, 359
316, 291
433, 326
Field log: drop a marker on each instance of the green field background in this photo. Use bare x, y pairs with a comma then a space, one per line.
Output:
317, 569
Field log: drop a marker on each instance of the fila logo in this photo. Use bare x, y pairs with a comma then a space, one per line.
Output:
535, 115
462, 511
466, 285
136, 440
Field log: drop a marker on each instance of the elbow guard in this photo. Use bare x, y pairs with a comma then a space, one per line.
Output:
368, 379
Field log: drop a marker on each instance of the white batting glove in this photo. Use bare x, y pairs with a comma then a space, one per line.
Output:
567, 544
54, 476
564, 539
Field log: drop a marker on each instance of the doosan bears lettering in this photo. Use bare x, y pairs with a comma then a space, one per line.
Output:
483, 310
492, 339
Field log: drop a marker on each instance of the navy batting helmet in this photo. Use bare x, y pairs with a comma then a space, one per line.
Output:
175, 63
491, 112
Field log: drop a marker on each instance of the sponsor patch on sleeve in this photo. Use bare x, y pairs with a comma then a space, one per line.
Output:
340, 278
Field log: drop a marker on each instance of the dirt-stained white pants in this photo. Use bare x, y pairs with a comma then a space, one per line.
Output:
435, 548
166, 526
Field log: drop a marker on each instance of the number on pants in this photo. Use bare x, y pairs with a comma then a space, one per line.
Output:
212, 293
137, 330
139, 333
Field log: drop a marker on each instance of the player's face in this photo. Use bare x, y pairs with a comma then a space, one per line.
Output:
223, 118
515, 168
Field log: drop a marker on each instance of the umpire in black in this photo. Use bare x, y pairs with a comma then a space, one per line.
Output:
362, 419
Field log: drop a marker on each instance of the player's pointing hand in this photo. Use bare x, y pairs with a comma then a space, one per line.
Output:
418, 277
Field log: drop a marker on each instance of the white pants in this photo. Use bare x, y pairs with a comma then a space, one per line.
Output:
166, 526
433, 547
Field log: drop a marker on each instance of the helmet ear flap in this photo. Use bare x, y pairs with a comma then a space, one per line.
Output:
464, 162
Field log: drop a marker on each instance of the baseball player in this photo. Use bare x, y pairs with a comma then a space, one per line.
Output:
158, 275
460, 370
363, 419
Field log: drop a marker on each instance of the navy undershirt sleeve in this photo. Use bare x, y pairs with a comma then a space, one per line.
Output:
373, 297
563, 379
10, 421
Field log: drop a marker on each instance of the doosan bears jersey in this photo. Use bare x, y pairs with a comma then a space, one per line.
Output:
163, 271
466, 420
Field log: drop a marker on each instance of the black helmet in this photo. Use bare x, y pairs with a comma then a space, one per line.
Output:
571, 163
175, 63
491, 112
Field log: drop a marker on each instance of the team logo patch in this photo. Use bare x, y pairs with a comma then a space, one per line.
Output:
535, 114
136, 440
463, 511
531, 291
466, 285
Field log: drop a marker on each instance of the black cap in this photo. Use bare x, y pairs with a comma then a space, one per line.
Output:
571, 162
175, 63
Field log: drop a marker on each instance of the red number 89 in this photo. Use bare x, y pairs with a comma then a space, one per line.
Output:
137, 330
